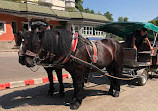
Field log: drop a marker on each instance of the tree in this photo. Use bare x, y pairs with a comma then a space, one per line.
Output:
99, 13
87, 10
79, 5
92, 11
108, 15
120, 19
125, 19
155, 22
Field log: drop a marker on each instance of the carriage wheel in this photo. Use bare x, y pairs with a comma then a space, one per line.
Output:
142, 76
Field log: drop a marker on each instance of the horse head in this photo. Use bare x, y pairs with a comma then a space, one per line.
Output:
38, 46
30, 48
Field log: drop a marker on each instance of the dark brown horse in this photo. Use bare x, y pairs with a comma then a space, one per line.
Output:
58, 44
45, 62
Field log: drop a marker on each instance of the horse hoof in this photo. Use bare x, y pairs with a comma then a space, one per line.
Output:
75, 106
116, 94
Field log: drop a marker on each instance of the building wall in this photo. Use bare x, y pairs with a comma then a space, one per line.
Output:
54, 23
58, 4
70, 3
8, 19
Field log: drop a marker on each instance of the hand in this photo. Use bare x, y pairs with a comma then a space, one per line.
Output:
151, 48
135, 47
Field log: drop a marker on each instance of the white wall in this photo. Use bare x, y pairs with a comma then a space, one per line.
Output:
58, 4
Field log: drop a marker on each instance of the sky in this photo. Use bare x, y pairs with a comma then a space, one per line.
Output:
135, 10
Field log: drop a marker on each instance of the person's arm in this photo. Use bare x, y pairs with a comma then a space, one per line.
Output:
134, 46
148, 42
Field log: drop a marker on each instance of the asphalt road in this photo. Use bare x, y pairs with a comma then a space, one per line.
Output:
11, 70
34, 98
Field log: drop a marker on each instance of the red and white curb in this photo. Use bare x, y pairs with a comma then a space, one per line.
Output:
29, 82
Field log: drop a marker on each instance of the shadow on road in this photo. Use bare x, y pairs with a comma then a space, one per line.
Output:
38, 96
98, 79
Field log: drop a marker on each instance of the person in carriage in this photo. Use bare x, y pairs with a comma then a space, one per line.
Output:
137, 39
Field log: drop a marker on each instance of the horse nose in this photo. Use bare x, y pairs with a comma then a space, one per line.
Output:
22, 60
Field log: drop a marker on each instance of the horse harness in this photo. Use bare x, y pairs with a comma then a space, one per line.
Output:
63, 59
93, 56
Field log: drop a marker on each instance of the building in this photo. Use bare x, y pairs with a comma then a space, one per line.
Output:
15, 16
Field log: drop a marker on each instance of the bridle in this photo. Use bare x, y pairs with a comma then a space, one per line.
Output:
35, 56
58, 62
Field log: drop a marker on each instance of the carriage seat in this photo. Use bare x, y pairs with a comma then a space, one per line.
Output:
133, 58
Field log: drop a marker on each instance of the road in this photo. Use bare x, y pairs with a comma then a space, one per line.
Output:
11, 70
34, 98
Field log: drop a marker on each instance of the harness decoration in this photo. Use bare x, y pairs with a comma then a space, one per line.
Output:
74, 45
93, 57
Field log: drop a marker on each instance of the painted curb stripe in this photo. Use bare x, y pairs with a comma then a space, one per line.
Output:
4, 86
29, 82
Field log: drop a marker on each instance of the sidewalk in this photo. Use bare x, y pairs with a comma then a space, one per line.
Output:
12, 71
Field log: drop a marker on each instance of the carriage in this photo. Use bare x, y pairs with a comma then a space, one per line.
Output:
77, 55
137, 64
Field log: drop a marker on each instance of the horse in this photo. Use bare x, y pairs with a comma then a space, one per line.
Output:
59, 44
49, 69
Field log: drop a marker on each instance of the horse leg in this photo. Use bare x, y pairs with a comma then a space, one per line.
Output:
51, 83
110, 92
60, 79
77, 83
86, 77
117, 72
117, 87
110, 71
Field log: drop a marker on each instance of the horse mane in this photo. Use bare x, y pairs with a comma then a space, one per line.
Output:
63, 46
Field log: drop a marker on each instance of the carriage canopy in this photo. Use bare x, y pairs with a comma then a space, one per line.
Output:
122, 29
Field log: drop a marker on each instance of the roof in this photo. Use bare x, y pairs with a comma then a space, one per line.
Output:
24, 8
9, 5
94, 17
40, 9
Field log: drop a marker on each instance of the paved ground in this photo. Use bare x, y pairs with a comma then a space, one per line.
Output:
34, 98
11, 70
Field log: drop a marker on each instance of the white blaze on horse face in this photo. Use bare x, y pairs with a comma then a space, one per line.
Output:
21, 48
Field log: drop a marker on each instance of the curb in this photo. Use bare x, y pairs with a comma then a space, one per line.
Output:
29, 82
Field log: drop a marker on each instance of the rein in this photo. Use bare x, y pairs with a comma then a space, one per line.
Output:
79, 61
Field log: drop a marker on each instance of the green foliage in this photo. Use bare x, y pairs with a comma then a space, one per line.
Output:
79, 5
122, 19
99, 13
108, 15
125, 19
92, 11
87, 10
155, 22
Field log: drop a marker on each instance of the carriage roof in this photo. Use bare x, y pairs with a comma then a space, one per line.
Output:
122, 29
